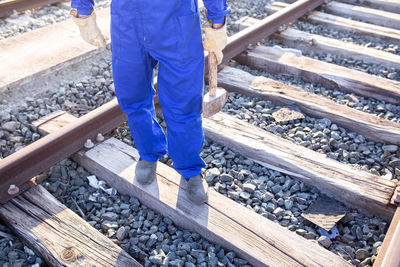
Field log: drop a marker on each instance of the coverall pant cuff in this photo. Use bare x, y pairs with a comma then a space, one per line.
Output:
150, 157
189, 174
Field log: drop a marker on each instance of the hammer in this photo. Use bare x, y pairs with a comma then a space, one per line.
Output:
216, 98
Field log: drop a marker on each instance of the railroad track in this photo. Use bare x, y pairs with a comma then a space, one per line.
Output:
362, 190
7, 7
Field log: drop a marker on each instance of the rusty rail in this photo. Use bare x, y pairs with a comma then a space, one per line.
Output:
24, 164
7, 7
255, 33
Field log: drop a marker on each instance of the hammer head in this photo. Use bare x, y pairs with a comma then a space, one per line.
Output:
213, 104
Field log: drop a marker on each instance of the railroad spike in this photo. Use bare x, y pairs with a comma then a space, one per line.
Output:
99, 138
13, 190
89, 144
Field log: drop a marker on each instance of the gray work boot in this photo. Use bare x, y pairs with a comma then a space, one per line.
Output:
145, 172
197, 189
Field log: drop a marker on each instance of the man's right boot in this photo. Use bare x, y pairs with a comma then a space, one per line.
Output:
145, 172
197, 189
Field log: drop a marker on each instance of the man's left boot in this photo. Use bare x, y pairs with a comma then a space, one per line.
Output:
197, 189
145, 172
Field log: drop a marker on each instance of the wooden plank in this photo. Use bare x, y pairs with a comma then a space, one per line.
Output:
29, 55
370, 15
330, 75
317, 43
221, 221
387, 5
352, 186
369, 125
60, 236
389, 253
53, 122
325, 212
367, 30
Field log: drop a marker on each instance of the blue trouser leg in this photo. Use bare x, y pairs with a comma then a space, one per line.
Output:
133, 79
180, 90
142, 33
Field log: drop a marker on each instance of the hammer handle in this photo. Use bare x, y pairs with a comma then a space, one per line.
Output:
212, 73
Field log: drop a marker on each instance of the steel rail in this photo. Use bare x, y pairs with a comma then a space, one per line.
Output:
389, 254
7, 7
264, 28
31, 160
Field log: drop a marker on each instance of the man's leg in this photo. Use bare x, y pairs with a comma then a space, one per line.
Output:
133, 80
180, 89
180, 95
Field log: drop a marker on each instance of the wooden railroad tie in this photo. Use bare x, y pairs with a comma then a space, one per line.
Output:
369, 125
317, 43
330, 75
57, 234
371, 31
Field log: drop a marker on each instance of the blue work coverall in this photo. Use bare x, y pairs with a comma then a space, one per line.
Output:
167, 32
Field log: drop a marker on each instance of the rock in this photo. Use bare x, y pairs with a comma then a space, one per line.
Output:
156, 259
324, 241
176, 263
150, 215
110, 216
125, 213
121, 233
5, 116
106, 225
392, 75
335, 135
366, 229
19, 263
239, 262
310, 235
234, 195
301, 232
226, 178
346, 238
348, 218
361, 254
211, 174
197, 252
288, 204
245, 195
276, 188
249, 187
359, 233
12, 256
267, 197
279, 211
35, 137
10, 126
124, 206
390, 148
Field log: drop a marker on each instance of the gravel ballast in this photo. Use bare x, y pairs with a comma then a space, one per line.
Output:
30, 20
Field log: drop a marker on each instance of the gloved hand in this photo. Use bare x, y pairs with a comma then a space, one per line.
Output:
89, 30
215, 40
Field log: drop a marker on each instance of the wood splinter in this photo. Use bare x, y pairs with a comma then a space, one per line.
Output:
396, 197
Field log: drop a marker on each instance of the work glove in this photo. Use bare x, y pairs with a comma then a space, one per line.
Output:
88, 28
215, 40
